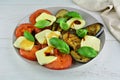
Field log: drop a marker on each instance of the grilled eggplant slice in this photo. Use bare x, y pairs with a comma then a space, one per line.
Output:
72, 40
95, 29
55, 26
61, 13
78, 57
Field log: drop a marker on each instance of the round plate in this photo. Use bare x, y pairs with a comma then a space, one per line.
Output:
87, 17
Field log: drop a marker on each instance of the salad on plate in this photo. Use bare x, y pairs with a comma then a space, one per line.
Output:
57, 41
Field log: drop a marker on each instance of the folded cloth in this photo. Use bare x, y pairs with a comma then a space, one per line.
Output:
110, 13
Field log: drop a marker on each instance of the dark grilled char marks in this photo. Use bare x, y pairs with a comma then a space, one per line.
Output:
95, 29
79, 57
72, 40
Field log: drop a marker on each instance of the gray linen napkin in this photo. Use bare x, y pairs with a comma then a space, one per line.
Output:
110, 13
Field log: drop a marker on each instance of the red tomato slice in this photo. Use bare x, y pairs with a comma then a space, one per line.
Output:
34, 15
63, 61
26, 27
30, 54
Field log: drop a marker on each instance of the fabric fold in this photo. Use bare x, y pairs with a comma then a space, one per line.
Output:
110, 13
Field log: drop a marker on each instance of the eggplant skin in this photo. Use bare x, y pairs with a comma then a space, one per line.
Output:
79, 58
61, 13
94, 29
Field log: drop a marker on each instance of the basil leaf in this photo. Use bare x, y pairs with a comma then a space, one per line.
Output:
29, 36
59, 20
88, 52
81, 32
64, 26
42, 23
60, 45
62, 23
73, 14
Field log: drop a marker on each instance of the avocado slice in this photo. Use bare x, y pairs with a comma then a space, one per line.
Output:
76, 23
45, 16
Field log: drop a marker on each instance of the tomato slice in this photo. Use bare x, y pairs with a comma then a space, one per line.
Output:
34, 15
26, 27
30, 54
63, 61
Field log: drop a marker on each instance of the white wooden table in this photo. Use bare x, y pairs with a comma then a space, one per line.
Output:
13, 67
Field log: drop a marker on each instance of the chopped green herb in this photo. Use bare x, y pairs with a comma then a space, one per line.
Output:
59, 20
81, 32
88, 52
42, 23
73, 14
60, 45
64, 26
29, 36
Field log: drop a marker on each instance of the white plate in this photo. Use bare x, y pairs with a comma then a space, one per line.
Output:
35, 67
